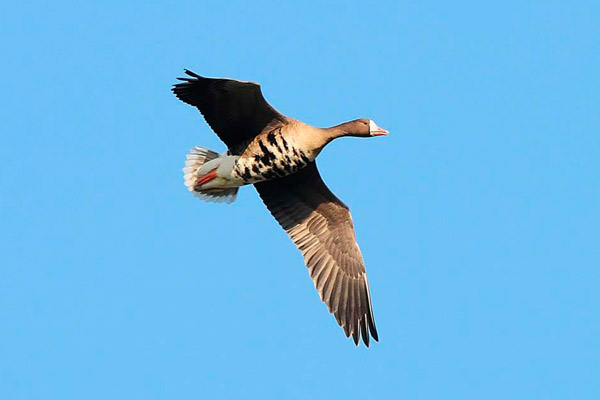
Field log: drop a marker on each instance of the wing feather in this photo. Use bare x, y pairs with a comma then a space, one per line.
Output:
321, 227
235, 110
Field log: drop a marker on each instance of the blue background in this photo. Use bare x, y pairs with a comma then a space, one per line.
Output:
478, 216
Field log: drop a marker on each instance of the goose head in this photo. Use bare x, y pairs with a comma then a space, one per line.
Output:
375, 130
362, 127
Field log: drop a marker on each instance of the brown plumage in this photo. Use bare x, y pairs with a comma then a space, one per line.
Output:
321, 226
235, 110
276, 153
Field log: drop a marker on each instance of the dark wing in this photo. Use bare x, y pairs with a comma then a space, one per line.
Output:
235, 110
321, 226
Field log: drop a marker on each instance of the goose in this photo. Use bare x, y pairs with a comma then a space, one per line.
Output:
277, 155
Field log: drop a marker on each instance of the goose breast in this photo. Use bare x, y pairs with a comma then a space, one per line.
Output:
272, 154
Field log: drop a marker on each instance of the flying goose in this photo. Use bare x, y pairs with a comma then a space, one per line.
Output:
277, 154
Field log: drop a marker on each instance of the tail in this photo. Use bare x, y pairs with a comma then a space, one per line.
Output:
197, 157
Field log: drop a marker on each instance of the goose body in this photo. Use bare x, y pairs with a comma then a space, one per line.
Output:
272, 154
277, 155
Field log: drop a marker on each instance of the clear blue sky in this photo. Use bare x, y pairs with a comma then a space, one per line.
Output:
478, 216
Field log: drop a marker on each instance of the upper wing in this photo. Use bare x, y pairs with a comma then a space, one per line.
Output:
235, 110
321, 226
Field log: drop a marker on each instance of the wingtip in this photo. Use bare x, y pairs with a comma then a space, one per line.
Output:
372, 328
194, 75
366, 341
356, 337
375, 336
190, 73
364, 332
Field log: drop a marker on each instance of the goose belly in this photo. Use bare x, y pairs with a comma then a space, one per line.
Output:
270, 156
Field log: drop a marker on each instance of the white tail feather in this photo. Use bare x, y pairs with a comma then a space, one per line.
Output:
197, 157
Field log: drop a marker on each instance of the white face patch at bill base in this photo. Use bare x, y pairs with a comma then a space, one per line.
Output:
375, 130
372, 126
